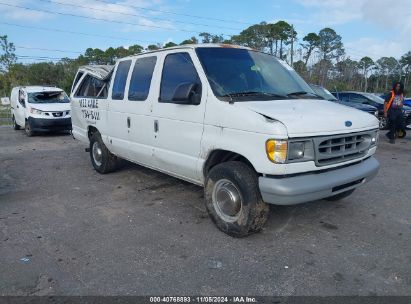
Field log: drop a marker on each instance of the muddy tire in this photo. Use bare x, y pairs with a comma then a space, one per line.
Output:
28, 130
101, 158
233, 199
340, 196
15, 125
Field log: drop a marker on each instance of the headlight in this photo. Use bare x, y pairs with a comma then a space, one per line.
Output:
277, 150
36, 111
296, 150
289, 151
376, 113
374, 138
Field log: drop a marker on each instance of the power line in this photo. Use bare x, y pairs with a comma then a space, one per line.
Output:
99, 19
38, 58
77, 33
136, 15
49, 50
173, 13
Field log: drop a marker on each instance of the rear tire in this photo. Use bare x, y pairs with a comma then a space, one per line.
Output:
15, 125
29, 131
233, 199
401, 133
101, 158
340, 196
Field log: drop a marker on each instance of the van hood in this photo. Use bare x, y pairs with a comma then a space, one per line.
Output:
50, 107
311, 117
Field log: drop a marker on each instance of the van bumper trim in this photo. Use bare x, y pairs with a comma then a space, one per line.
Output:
311, 187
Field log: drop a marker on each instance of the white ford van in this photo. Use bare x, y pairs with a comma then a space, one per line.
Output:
39, 109
239, 122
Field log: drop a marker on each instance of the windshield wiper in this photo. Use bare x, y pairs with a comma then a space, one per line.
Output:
304, 93
253, 93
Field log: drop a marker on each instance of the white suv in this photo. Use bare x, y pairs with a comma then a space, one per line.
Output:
239, 122
39, 109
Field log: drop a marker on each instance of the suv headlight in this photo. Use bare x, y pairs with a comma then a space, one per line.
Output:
374, 138
36, 111
376, 113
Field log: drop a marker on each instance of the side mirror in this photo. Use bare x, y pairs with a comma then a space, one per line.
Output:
188, 93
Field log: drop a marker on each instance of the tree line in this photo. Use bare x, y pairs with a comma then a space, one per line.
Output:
320, 58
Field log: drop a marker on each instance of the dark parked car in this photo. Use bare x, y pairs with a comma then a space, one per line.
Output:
324, 93
373, 100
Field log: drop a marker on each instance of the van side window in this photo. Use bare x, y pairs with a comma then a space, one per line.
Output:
178, 69
22, 98
119, 84
78, 76
93, 87
141, 78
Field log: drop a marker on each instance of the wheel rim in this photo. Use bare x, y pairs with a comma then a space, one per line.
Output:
227, 200
383, 122
27, 128
97, 153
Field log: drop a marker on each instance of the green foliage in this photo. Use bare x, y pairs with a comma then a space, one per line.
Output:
322, 59
330, 45
311, 43
169, 44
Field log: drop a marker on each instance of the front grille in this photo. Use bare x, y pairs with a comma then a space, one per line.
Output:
340, 148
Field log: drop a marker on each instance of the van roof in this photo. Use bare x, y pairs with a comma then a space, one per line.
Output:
192, 46
35, 89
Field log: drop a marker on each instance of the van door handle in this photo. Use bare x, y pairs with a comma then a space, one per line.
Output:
17, 106
155, 126
128, 122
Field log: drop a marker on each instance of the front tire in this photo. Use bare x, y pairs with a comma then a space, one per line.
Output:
27, 128
383, 122
101, 158
340, 196
15, 125
233, 199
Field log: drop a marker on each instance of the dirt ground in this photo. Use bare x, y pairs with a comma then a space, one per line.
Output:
67, 230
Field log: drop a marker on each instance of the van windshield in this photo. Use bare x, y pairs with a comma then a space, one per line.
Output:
245, 75
48, 97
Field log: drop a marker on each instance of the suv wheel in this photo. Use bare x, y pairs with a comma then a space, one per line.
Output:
15, 125
101, 158
233, 199
383, 122
27, 128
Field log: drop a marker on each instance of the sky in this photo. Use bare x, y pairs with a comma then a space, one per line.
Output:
66, 28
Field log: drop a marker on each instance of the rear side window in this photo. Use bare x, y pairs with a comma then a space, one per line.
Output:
119, 84
93, 87
343, 97
358, 98
178, 69
78, 76
141, 78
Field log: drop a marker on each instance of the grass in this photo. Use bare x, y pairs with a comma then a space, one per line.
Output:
5, 115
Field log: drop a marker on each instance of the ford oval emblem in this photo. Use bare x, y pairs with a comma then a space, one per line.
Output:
348, 123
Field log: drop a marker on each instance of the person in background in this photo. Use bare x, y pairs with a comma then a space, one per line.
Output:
393, 105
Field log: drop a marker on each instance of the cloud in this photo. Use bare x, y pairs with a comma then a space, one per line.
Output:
375, 48
16, 13
389, 18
